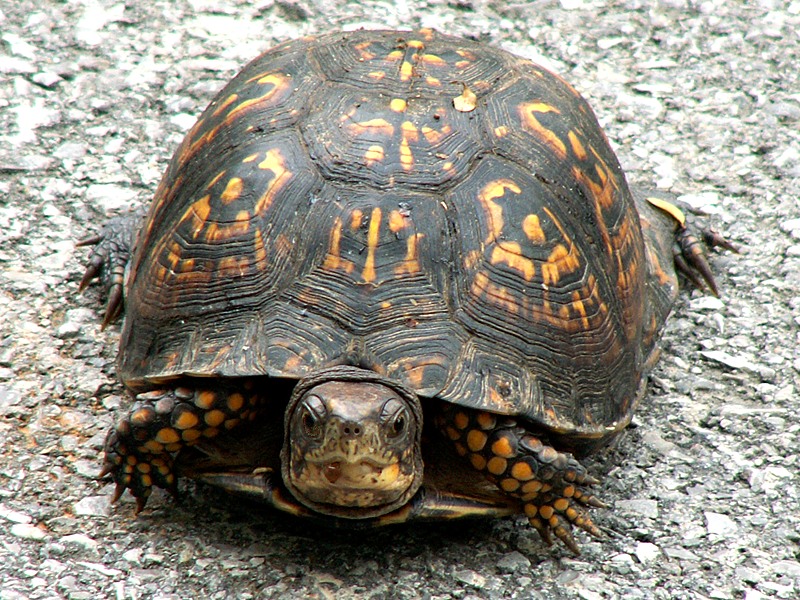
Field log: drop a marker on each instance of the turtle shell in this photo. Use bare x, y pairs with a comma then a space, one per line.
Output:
444, 213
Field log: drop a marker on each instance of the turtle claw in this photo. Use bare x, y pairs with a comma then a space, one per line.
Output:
109, 258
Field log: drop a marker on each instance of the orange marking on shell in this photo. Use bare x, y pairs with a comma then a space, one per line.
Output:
398, 105
333, 260
279, 84
533, 229
196, 215
373, 236
510, 253
561, 261
238, 228
374, 154
250, 158
259, 251
577, 146
501, 131
497, 295
363, 51
233, 266
398, 221
356, 219
410, 133
225, 104
373, 126
216, 178
232, 191
406, 71
273, 161
433, 81
494, 212
376, 75
435, 136
432, 60
467, 101
411, 263
534, 126
416, 44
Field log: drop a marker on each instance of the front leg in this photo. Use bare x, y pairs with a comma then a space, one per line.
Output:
551, 484
139, 450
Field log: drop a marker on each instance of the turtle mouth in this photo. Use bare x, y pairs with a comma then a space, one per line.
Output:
358, 474
342, 484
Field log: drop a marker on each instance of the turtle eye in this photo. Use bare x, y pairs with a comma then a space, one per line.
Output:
312, 414
395, 418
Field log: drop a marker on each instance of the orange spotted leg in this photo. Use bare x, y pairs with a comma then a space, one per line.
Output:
551, 484
140, 448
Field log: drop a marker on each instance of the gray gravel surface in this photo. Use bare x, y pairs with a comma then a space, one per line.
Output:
698, 97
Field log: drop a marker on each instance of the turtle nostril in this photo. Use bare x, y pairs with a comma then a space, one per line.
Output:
351, 429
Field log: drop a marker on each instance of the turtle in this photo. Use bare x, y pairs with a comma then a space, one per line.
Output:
390, 275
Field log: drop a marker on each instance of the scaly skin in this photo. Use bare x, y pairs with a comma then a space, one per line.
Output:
140, 447
552, 485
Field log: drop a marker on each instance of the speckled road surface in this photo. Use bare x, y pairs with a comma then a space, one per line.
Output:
698, 98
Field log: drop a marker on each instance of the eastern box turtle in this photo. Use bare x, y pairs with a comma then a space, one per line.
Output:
389, 275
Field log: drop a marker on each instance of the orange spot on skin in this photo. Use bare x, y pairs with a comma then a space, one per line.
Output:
497, 465
205, 400
521, 471
235, 402
502, 447
186, 420
532, 124
373, 235
167, 435
214, 418
461, 420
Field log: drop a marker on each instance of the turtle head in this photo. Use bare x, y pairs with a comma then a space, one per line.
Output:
352, 444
